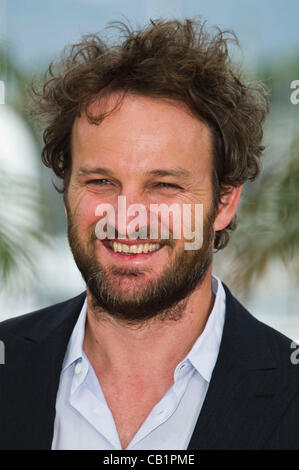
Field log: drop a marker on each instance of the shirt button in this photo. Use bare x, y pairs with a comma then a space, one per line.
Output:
182, 366
78, 368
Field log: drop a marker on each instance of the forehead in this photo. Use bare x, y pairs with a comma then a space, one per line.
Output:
141, 132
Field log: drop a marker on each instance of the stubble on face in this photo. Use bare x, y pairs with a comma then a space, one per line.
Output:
162, 299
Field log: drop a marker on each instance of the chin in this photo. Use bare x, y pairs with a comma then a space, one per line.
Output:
131, 282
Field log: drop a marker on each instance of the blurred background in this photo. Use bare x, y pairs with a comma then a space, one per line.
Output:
260, 264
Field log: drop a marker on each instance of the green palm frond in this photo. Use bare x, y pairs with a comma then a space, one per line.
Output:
22, 210
21, 213
17, 91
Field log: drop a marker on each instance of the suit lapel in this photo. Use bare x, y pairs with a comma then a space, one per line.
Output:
249, 390
252, 378
30, 378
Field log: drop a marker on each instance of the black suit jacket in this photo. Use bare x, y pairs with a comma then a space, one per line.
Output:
252, 401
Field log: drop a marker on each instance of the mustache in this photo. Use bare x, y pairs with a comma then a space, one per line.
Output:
143, 231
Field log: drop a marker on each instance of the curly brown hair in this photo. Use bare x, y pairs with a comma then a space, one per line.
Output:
172, 59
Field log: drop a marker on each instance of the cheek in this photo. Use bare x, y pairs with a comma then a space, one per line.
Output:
189, 220
85, 212
175, 219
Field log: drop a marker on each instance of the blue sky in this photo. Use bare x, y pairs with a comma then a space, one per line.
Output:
37, 30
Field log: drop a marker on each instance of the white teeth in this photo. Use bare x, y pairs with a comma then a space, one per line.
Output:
134, 249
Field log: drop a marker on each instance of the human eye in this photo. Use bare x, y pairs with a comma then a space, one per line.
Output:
99, 182
168, 185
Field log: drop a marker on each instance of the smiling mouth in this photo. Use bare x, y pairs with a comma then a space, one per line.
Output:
132, 249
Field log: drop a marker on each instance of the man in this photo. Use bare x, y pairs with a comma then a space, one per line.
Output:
157, 353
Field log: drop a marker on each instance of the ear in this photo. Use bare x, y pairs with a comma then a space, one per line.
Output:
227, 207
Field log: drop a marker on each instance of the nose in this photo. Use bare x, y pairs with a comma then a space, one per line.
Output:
132, 211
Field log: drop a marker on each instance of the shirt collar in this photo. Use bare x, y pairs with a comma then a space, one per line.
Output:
74, 350
204, 352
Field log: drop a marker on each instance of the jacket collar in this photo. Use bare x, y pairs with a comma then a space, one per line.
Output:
35, 346
250, 379
251, 386
247, 343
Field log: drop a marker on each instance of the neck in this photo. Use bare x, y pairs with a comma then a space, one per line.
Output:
112, 345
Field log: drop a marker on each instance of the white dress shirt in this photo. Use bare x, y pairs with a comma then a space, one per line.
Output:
84, 421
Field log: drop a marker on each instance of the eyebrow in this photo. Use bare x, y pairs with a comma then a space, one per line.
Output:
90, 171
176, 172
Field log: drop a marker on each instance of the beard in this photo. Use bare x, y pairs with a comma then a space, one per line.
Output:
164, 298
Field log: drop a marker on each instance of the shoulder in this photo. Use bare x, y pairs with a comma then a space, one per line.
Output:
281, 345
43, 320
254, 338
